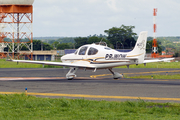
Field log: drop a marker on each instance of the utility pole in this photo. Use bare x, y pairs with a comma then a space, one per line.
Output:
154, 53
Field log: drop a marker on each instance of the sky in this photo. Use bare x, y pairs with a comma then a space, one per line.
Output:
81, 18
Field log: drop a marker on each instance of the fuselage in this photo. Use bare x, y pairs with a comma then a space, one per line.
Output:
98, 56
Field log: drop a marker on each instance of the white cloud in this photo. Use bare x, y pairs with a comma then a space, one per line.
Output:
112, 5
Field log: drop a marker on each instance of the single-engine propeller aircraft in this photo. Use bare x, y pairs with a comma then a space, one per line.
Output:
94, 57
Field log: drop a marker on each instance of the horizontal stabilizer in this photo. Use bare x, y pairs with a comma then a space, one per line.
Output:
158, 60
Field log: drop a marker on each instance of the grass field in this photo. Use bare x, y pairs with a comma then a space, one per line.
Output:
8, 64
21, 107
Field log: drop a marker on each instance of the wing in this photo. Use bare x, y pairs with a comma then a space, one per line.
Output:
158, 60
54, 63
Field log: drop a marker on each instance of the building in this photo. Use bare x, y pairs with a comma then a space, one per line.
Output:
41, 55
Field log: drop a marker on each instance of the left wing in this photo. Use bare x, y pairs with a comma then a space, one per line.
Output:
158, 60
54, 63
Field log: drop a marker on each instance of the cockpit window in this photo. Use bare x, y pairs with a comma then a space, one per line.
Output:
92, 51
76, 52
82, 51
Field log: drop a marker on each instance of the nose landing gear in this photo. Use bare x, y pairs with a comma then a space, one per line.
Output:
71, 74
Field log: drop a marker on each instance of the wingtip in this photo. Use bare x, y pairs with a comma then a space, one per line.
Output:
9, 60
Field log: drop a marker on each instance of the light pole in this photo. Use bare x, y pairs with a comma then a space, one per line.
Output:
165, 45
116, 44
74, 45
149, 46
123, 47
41, 46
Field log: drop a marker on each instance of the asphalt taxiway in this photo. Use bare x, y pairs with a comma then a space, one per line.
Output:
99, 85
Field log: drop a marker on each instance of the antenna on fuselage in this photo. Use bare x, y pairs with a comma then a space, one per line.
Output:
101, 43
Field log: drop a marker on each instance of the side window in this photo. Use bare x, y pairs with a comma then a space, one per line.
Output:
92, 51
107, 48
82, 51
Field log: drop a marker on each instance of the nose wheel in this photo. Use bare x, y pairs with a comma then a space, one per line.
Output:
71, 74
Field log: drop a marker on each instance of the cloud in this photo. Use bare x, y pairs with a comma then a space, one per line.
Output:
85, 17
112, 5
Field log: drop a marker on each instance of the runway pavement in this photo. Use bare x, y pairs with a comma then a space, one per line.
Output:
89, 85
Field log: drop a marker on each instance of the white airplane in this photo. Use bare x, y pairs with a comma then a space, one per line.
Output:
94, 57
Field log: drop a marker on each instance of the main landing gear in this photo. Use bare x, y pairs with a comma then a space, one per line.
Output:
116, 75
71, 74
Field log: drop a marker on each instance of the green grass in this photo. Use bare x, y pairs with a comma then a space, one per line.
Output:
8, 64
21, 107
156, 76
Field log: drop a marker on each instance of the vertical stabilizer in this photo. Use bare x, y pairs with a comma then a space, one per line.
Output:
139, 50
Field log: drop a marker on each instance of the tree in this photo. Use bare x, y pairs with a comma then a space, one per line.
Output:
80, 41
123, 35
93, 39
149, 46
66, 40
47, 46
55, 44
38, 44
177, 54
24, 48
149, 38
71, 45
63, 46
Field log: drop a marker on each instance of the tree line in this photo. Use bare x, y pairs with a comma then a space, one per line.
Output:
121, 37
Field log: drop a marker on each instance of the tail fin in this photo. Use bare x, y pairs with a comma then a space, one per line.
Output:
139, 50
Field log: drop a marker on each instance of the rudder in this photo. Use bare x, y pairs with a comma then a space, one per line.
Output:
139, 50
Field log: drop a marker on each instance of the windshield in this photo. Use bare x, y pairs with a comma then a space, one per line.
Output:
82, 51
76, 51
